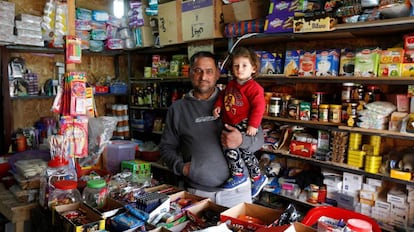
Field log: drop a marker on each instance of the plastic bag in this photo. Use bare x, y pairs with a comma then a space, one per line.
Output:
289, 215
100, 133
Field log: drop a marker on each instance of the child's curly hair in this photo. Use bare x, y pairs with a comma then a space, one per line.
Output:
248, 53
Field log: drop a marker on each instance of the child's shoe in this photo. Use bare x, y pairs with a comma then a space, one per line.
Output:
258, 184
234, 181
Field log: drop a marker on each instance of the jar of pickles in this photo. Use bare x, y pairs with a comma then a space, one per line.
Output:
65, 192
95, 193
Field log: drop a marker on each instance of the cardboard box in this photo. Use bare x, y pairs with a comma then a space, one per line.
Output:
169, 23
294, 227
112, 208
187, 196
264, 216
201, 19
398, 174
96, 222
352, 183
302, 148
194, 213
245, 10
280, 17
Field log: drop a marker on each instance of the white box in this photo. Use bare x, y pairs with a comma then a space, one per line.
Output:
396, 197
352, 182
366, 209
369, 187
368, 195
380, 214
346, 200
374, 182
386, 206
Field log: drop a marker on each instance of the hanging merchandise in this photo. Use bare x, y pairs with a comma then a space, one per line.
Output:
73, 50
75, 129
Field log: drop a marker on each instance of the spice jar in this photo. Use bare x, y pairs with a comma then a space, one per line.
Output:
95, 193
65, 192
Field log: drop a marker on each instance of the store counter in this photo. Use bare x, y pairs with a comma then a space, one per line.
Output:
14, 211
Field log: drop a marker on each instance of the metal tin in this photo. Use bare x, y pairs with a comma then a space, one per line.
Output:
304, 110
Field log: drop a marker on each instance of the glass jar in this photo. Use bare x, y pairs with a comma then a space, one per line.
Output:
324, 112
335, 113
95, 193
347, 90
274, 106
65, 192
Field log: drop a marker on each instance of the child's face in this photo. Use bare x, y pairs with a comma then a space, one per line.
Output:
243, 68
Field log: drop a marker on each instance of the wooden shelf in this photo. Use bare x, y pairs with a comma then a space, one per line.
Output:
45, 50
382, 133
337, 166
280, 78
31, 97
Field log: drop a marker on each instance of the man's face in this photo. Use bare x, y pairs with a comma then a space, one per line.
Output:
204, 75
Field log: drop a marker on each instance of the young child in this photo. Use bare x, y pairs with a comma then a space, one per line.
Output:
242, 105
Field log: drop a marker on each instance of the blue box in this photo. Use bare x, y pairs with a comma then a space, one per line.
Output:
327, 62
118, 88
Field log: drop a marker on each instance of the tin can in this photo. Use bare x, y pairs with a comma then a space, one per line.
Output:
304, 110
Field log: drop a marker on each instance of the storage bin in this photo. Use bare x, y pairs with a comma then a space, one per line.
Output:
117, 151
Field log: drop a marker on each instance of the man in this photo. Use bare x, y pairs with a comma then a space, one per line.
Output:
193, 140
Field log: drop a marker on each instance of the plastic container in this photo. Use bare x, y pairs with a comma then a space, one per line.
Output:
117, 151
56, 170
95, 193
358, 225
65, 192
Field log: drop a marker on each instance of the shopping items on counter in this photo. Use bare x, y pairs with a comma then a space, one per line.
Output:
60, 167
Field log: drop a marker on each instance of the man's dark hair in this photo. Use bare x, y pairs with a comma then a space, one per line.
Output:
200, 55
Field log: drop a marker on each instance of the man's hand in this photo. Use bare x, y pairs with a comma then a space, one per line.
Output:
231, 137
186, 169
